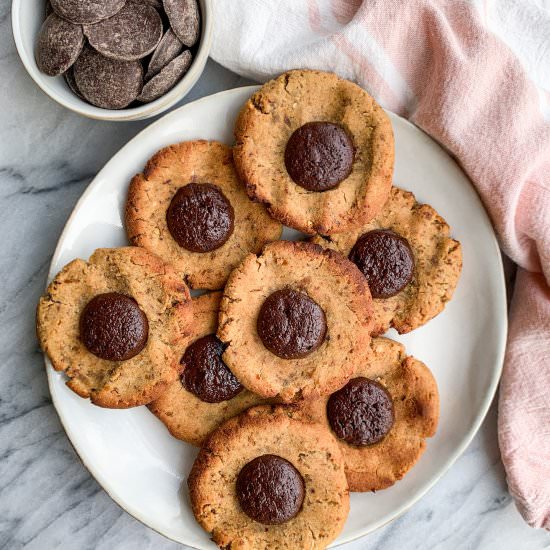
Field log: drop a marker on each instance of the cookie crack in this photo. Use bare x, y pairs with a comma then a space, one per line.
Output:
287, 81
258, 105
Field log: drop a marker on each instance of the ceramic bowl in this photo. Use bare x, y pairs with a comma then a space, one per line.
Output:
27, 18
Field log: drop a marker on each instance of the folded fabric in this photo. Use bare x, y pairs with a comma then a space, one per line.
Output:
443, 65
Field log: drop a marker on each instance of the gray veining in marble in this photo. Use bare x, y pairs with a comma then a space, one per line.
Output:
47, 498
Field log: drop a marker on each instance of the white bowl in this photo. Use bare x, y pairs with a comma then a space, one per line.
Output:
27, 17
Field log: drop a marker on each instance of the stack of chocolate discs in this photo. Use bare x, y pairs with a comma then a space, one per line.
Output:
117, 53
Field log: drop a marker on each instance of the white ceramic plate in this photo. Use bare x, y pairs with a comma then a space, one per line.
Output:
130, 452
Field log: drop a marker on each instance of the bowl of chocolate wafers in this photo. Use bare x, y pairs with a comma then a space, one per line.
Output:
116, 60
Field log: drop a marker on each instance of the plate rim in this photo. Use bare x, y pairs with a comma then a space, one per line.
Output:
459, 450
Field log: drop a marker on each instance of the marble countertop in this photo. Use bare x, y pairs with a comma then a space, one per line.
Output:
47, 498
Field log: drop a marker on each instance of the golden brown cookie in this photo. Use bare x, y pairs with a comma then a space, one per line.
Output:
382, 417
287, 474
296, 320
405, 230
317, 149
189, 208
197, 404
110, 324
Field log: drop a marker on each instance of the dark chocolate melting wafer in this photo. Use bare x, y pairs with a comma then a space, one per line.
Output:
169, 47
84, 12
105, 82
59, 44
131, 34
71, 82
168, 77
157, 4
184, 19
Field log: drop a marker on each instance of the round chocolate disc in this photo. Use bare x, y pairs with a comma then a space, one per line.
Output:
59, 45
200, 218
105, 82
184, 19
49, 9
270, 490
131, 34
168, 48
290, 324
113, 327
319, 155
361, 413
205, 374
83, 12
168, 77
386, 260
69, 79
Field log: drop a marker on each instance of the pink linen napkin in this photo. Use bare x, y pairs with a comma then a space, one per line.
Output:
437, 63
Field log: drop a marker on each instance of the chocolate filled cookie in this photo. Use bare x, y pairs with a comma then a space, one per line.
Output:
205, 374
409, 260
111, 325
270, 490
296, 321
382, 417
361, 413
385, 259
317, 149
290, 324
319, 155
207, 392
189, 208
188, 224
266, 480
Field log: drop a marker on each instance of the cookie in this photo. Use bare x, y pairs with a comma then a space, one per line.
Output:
382, 417
167, 78
59, 45
184, 19
111, 323
91, 11
133, 33
189, 208
168, 48
317, 149
411, 263
296, 320
207, 393
264, 480
105, 82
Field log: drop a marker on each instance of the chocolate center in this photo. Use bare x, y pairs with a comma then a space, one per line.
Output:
386, 260
205, 374
113, 327
361, 413
270, 490
290, 324
319, 155
200, 218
